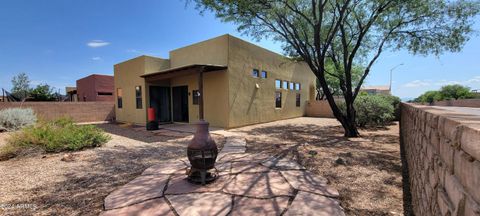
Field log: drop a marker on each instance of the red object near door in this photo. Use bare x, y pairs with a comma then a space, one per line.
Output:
151, 114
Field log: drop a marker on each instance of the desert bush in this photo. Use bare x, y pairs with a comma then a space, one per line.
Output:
395, 101
54, 136
372, 110
15, 118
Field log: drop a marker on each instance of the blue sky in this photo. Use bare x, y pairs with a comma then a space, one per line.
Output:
59, 41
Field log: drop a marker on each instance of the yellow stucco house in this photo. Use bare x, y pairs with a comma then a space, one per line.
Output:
243, 84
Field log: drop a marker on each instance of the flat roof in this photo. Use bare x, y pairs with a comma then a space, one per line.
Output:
207, 68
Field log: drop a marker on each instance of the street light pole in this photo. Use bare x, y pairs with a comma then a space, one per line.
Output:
391, 76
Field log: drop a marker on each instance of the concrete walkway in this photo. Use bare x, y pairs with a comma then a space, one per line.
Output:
464, 110
248, 184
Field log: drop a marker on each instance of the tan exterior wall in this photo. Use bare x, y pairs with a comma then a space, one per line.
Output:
213, 51
127, 76
231, 98
249, 105
79, 111
441, 160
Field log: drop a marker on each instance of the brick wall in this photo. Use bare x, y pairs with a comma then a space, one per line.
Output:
460, 103
442, 152
79, 111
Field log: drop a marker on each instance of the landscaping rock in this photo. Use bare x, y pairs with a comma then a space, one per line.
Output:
306, 181
316, 205
68, 158
199, 204
142, 188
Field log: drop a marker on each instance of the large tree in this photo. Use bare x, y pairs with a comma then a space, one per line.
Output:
21, 86
350, 32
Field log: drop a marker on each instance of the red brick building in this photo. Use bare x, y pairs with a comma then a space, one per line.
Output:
95, 88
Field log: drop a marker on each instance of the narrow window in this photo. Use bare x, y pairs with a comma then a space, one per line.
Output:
297, 86
138, 96
264, 74
119, 98
278, 84
195, 96
255, 73
278, 99
297, 101
285, 84
292, 86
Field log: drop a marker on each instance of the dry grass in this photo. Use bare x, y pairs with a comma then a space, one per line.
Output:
366, 170
56, 187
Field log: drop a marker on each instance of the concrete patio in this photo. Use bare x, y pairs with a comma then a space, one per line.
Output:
248, 184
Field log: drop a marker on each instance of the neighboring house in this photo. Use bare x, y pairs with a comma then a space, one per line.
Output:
71, 94
243, 84
374, 90
95, 88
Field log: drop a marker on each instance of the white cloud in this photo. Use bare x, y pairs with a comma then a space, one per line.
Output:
474, 80
447, 82
97, 43
96, 58
416, 83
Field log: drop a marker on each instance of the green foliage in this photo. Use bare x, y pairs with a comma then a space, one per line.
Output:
54, 136
21, 86
15, 118
446, 93
372, 110
456, 92
334, 83
395, 102
350, 33
42, 92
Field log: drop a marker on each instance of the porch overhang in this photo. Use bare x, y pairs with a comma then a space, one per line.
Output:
183, 71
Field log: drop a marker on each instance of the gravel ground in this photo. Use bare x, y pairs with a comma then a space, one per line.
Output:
46, 185
365, 170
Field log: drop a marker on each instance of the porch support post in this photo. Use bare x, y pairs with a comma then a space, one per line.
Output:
200, 91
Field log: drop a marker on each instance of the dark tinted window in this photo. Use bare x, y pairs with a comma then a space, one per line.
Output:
278, 99
255, 73
297, 100
264, 74
119, 98
138, 96
195, 96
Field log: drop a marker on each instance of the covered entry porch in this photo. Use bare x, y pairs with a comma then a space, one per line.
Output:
182, 94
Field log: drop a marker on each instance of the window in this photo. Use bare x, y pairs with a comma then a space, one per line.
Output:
297, 86
285, 84
104, 93
195, 96
292, 86
255, 73
297, 100
264, 74
278, 84
278, 99
138, 96
119, 98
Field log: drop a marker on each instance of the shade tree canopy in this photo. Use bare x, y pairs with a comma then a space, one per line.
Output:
350, 33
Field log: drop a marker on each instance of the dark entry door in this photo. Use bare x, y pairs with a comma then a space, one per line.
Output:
180, 103
160, 101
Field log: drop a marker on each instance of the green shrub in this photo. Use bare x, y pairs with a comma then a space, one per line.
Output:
372, 110
15, 118
54, 136
395, 102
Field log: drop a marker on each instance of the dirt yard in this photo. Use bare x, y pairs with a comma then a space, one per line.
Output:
46, 185
366, 170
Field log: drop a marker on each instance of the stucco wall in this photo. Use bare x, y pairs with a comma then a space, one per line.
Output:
212, 51
127, 76
441, 150
89, 87
249, 105
78, 111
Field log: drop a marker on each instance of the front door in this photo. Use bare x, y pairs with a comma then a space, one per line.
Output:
180, 103
160, 101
